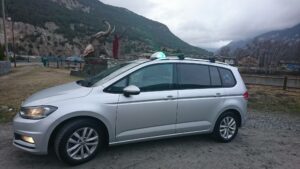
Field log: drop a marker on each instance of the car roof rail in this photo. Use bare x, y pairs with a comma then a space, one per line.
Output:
180, 56
211, 60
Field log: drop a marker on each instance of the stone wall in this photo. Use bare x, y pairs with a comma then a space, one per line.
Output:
5, 67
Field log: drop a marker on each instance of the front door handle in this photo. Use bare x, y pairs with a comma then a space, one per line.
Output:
218, 94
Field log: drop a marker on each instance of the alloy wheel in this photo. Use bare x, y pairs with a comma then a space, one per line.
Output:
82, 143
227, 127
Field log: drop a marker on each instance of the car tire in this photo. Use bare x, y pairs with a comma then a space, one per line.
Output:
226, 127
81, 138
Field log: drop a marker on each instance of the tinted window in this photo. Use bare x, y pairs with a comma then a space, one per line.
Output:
215, 76
193, 76
153, 78
227, 77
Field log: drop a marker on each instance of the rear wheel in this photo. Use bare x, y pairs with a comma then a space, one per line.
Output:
226, 127
79, 141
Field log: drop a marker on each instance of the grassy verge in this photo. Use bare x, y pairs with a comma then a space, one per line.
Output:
24, 81
274, 99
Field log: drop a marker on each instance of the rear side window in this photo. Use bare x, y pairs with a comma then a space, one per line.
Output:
191, 76
227, 77
215, 77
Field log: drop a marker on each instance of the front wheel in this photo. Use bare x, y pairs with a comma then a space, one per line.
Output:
79, 141
226, 127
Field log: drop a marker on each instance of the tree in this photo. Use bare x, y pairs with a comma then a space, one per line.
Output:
2, 56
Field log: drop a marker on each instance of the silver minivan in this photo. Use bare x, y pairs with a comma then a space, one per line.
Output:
131, 102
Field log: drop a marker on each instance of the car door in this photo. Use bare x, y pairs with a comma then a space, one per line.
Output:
153, 111
199, 97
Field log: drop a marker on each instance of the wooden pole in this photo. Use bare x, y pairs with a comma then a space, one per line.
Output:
285, 82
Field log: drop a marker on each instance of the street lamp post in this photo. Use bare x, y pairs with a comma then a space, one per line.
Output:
13, 42
4, 29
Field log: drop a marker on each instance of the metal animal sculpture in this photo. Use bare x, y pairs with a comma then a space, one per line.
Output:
96, 48
96, 53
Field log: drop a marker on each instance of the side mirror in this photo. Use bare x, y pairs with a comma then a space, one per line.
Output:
131, 90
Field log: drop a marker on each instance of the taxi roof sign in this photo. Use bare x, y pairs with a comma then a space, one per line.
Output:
158, 55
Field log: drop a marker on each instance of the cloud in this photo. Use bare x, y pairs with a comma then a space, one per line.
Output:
212, 23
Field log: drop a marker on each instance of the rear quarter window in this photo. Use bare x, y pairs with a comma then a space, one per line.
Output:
227, 77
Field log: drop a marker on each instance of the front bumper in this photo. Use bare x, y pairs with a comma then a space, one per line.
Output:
31, 128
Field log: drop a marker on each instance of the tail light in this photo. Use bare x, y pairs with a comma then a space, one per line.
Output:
246, 95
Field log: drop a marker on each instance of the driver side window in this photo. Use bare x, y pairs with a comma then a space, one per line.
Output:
151, 78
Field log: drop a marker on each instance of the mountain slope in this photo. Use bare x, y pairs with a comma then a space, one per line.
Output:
75, 20
290, 33
270, 48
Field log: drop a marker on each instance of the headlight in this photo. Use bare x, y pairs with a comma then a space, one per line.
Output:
36, 112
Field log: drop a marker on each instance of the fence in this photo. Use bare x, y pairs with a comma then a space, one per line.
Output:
74, 62
62, 62
279, 70
65, 64
291, 82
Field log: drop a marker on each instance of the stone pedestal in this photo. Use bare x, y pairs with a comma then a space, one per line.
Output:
92, 66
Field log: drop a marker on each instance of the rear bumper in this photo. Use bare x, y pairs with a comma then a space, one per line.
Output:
244, 119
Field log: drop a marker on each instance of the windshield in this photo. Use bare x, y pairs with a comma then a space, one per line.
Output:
107, 74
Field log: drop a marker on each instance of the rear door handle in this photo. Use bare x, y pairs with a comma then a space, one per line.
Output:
218, 94
170, 97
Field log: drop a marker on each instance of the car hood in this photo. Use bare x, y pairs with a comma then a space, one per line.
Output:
57, 93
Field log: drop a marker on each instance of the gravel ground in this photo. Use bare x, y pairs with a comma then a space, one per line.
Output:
269, 140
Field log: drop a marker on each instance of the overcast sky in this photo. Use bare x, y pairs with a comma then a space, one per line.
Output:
214, 23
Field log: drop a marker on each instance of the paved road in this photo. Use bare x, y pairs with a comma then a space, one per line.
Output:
268, 140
